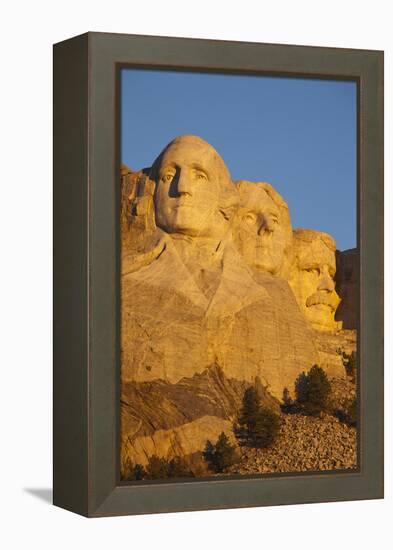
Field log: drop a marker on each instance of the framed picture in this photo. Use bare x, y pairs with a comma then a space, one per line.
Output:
218, 274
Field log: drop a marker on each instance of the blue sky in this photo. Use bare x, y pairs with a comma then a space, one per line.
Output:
297, 134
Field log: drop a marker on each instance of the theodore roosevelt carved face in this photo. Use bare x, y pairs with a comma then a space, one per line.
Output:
194, 194
263, 231
312, 277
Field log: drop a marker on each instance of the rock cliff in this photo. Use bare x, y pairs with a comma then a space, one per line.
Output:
205, 309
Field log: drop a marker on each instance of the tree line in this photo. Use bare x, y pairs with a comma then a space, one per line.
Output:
256, 426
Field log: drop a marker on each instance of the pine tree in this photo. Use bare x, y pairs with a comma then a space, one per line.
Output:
161, 468
313, 391
265, 429
221, 455
177, 467
157, 468
133, 471
139, 471
224, 453
288, 404
250, 407
257, 426
302, 388
208, 453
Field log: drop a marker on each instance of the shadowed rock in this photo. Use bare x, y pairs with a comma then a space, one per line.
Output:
347, 284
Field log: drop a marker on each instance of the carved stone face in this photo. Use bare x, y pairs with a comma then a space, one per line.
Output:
189, 178
263, 230
312, 277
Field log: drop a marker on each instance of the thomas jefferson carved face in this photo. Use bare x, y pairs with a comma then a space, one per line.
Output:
194, 191
264, 231
312, 277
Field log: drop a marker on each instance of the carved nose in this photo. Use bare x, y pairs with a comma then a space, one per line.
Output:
183, 183
326, 283
265, 226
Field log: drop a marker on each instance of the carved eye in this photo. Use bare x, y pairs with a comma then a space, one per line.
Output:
200, 176
168, 177
313, 270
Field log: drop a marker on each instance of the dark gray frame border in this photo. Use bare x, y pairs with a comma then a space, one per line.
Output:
86, 283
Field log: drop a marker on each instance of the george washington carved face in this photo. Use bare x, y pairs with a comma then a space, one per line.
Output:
194, 193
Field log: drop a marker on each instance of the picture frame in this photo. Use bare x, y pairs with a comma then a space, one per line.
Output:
86, 273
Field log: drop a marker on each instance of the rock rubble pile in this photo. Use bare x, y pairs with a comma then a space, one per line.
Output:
305, 443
